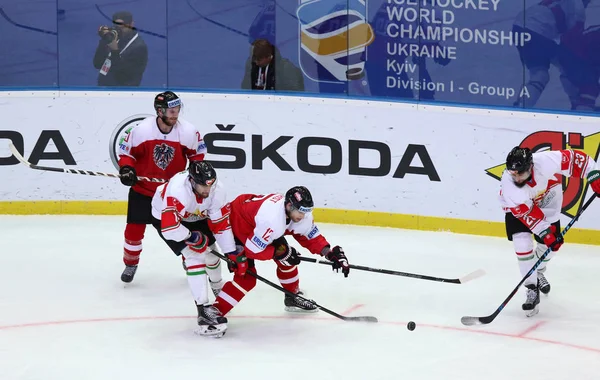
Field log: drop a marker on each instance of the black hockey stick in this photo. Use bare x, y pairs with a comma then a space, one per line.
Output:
260, 278
22, 159
471, 276
470, 321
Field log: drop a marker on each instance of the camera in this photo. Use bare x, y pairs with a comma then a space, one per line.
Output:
108, 35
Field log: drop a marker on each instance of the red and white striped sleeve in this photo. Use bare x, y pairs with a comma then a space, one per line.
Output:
575, 163
171, 217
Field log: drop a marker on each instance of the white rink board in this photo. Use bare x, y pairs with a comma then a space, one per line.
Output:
462, 143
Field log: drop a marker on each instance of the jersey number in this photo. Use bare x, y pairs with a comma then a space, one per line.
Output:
529, 220
267, 234
579, 160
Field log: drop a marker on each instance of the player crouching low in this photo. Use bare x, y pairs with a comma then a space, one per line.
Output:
190, 212
259, 223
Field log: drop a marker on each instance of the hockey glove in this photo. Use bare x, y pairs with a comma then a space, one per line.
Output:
237, 263
338, 260
552, 238
287, 255
128, 176
197, 242
594, 181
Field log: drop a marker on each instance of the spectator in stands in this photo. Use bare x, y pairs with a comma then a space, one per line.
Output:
122, 55
266, 69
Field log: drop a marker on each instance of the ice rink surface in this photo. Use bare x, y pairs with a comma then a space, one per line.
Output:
64, 313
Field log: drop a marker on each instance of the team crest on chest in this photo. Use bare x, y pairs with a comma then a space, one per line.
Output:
195, 216
163, 155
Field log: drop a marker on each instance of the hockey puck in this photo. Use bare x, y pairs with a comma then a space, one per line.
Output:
411, 325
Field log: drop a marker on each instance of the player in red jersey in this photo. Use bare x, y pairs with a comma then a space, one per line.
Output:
259, 223
158, 147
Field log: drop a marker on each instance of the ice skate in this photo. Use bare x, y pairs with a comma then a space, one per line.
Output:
216, 287
298, 305
544, 285
211, 322
128, 273
530, 306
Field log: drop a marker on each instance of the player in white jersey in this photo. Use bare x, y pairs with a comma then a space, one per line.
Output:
545, 22
190, 212
531, 195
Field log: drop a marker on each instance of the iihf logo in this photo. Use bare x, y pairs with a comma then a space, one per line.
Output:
334, 35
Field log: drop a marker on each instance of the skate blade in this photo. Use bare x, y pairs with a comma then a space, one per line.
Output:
534, 311
294, 309
212, 331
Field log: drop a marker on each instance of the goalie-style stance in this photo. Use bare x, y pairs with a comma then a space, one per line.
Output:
531, 195
158, 147
259, 223
190, 212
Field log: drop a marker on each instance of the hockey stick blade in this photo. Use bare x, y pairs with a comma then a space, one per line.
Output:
471, 321
285, 291
472, 276
18, 155
362, 319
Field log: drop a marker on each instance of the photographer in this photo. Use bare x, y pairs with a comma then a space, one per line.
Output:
122, 54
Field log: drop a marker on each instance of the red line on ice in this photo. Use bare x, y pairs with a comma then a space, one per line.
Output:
353, 308
312, 318
531, 329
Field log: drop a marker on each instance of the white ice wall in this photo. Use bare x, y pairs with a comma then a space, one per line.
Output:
461, 143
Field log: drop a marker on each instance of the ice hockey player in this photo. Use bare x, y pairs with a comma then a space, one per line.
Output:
190, 212
531, 195
158, 147
259, 223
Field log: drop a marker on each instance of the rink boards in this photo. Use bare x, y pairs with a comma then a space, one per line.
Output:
370, 163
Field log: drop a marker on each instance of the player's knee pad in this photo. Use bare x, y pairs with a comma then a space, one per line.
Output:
540, 249
523, 242
210, 258
192, 254
194, 259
